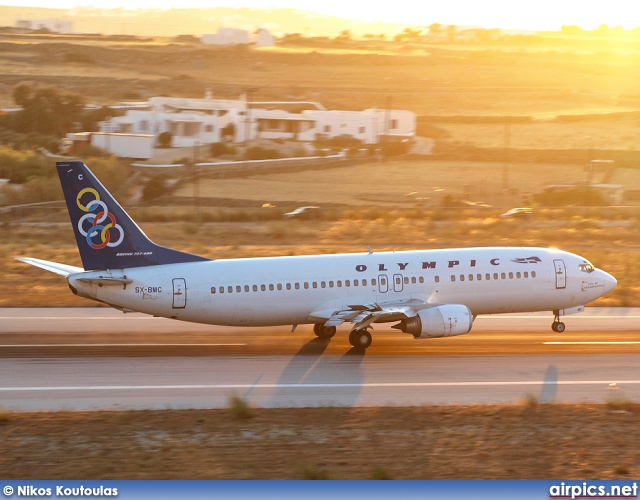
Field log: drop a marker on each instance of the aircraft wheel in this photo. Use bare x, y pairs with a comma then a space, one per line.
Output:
360, 338
559, 327
324, 332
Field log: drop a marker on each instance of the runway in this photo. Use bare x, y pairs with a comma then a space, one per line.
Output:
89, 359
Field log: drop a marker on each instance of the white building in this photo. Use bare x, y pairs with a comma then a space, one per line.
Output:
204, 121
263, 38
226, 36
234, 36
53, 25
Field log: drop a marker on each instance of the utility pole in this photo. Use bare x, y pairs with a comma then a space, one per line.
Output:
196, 183
507, 154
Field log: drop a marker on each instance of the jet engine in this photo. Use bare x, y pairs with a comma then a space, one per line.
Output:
440, 321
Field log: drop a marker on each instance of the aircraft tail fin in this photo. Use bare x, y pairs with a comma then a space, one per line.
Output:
106, 235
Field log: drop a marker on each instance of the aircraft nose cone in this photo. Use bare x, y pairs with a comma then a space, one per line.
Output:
609, 282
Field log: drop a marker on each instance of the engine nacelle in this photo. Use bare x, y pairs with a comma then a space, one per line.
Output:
440, 321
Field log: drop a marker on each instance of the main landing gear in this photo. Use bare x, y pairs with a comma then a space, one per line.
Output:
557, 325
357, 338
324, 332
360, 338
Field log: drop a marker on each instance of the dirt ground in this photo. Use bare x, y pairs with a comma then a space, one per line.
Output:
522, 441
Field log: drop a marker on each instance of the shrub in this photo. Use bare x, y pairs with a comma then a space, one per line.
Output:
314, 473
239, 408
156, 186
219, 149
260, 153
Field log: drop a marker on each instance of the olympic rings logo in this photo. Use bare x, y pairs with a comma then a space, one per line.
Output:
97, 220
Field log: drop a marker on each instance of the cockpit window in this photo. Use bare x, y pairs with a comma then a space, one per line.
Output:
586, 268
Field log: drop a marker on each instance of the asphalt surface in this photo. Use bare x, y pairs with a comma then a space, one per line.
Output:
88, 359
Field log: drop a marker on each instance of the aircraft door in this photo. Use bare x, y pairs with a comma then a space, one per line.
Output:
561, 274
179, 293
383, 284
397, 283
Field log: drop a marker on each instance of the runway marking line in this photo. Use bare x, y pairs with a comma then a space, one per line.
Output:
314, 386
117, 345
604, 342
78, 318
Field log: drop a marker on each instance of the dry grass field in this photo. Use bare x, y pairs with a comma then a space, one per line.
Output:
525, 441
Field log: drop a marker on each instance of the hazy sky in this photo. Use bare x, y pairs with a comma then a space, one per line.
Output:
516, 14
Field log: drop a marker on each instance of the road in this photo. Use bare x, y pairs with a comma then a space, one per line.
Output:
87, 359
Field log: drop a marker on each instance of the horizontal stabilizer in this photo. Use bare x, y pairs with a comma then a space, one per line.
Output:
53, 267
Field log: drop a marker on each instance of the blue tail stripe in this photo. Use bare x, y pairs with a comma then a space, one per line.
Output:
106, 235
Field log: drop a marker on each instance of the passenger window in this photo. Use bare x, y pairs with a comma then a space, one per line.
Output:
221, 289
479, 277
487, 276
315, 284
406, 281
279, 286
263, 288
453, 277
462, 277
510, 276
383, 282
255, 288
471, 277
355, 282
297, 286
271, 288
323, 284
421, 279
526, 274
306, 285
437, 279
246, 288
495, 276
347, 283
288, 286
533, 274
230, 289
213, 289
518, 275
503, 276
331, 284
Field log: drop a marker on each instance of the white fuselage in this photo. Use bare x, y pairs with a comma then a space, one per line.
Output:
309, 289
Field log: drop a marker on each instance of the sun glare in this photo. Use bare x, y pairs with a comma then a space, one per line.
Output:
505, 14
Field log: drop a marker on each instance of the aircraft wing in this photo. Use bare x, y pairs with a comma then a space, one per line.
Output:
53, 267
363, 315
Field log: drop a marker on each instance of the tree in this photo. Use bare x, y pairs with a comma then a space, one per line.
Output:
435, 29
46, 110
409, 35
344, 36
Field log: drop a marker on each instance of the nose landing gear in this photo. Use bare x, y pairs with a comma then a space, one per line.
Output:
557, 325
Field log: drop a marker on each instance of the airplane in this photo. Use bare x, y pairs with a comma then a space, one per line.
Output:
426, 293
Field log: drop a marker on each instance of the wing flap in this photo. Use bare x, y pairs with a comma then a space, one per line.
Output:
363, 316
